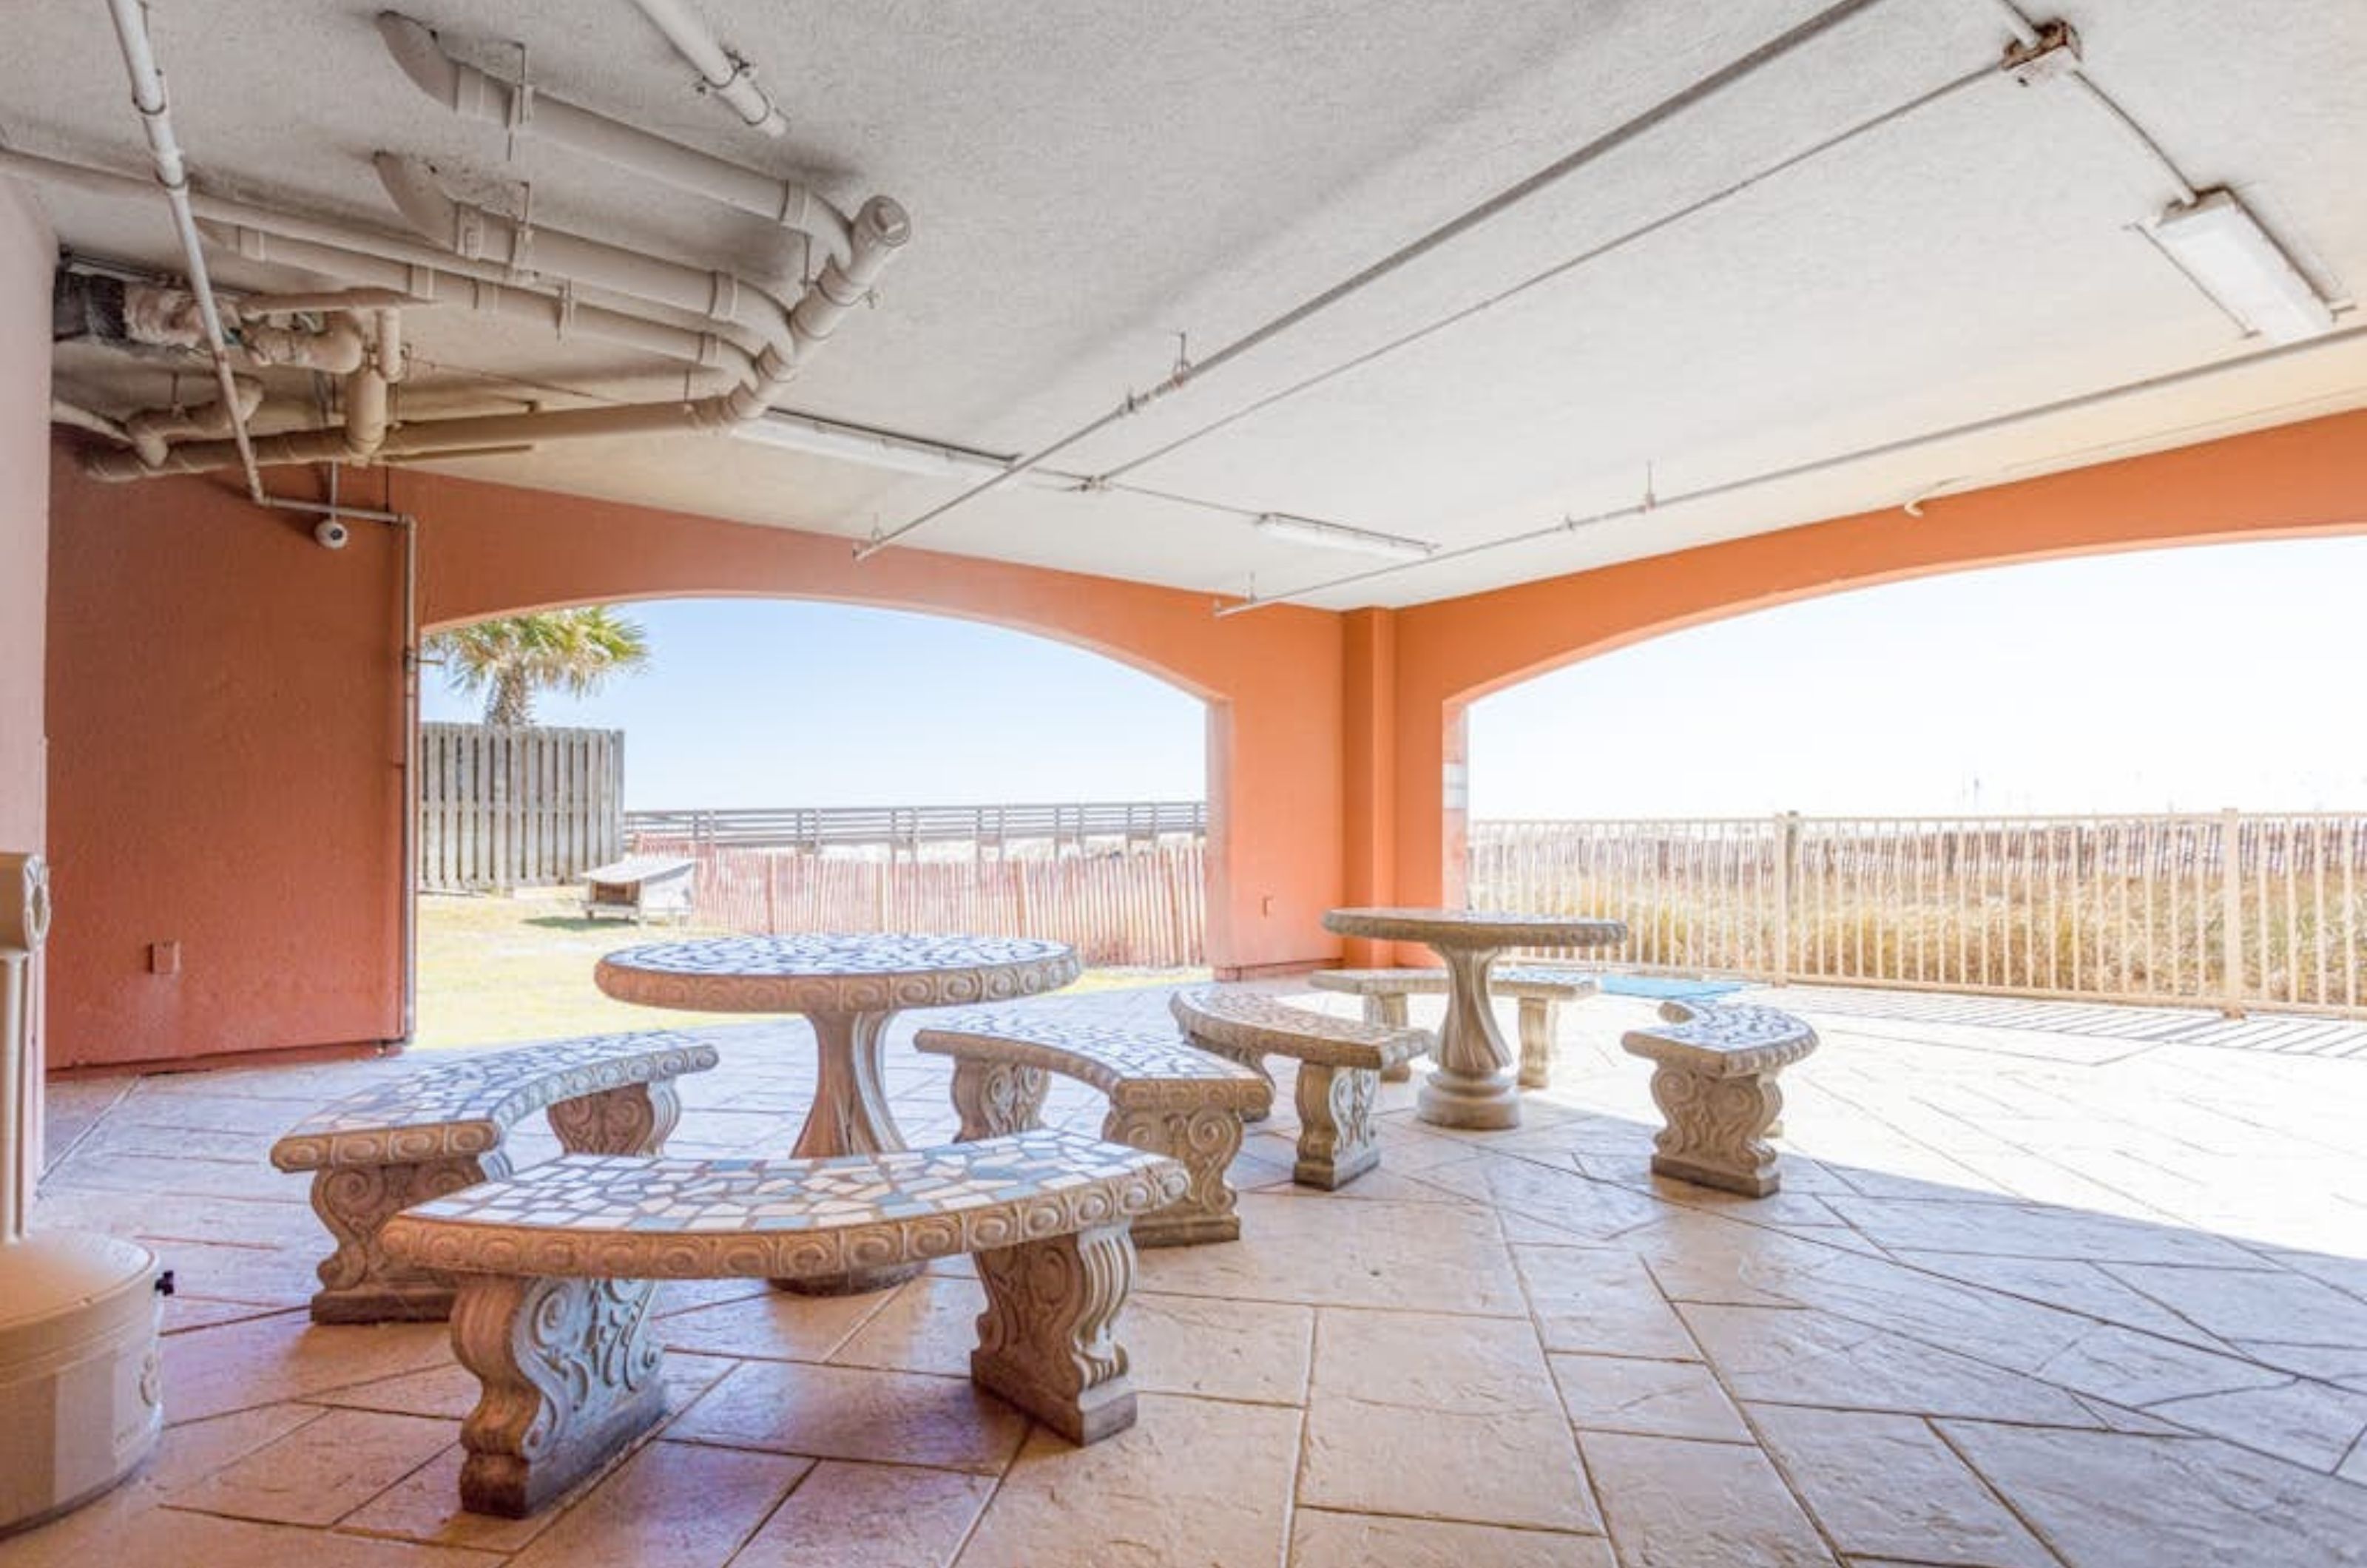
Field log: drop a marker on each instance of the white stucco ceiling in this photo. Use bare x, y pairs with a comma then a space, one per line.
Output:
1087, 181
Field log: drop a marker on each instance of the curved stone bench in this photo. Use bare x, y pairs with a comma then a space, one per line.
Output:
1165, 1096
428, 1133
558, 1266
1714, 1079
1339, 1067
1539, 991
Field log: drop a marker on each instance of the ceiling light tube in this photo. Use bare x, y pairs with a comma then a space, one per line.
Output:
873, 448
1340, 537
2217, 243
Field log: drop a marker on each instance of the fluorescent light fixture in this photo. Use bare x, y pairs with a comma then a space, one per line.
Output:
873, 448
2217, 243
1340, 537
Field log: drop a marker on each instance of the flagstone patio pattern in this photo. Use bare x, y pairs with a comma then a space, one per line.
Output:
2030, 1297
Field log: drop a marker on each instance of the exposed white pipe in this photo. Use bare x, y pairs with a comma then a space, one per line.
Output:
366, 414
338, 351
720, 72
147, 97
471, 233
80, 418
386, 344
153, 431
251, 307
425, 284
476, 95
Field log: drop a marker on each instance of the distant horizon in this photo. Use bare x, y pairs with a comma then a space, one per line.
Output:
2186, 680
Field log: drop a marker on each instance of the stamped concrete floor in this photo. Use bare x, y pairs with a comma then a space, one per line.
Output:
2028, 1298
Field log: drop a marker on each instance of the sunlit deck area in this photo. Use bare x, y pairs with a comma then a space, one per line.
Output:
2083, 1286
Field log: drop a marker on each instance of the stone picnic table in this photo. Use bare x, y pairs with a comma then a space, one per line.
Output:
847, 985
1471, 1087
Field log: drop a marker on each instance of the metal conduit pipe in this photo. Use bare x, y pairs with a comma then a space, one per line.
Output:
407, 283
471, 233
156, 117
475, 94
720, 72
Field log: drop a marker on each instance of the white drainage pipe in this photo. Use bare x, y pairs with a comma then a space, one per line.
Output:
471, 233
475, 94
720, 72
338, 350
409, 283
153, 431
147, 97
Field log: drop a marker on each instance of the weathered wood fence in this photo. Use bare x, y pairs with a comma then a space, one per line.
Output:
1138, 906
2231, 909
502, 808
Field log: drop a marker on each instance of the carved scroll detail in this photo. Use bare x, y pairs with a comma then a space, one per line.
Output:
1046, 1340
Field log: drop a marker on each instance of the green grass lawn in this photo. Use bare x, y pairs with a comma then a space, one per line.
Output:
495, 970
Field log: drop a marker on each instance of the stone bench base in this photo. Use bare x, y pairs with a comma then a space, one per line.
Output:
1539, 992
1714, 1078
418, 1137
1339, 1067
557, 1270
1165, 1096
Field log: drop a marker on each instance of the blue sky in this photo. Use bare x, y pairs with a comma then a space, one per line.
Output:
2194, 678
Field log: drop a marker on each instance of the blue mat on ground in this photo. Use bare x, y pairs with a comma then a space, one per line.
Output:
1661, 988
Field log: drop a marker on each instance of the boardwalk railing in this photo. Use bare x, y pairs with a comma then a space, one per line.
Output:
1138, 906
502, 808
2230, 908
819, 827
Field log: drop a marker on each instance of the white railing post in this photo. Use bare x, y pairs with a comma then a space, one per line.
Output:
2231, 910
1787, 853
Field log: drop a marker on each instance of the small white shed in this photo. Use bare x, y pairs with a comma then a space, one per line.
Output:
639, 887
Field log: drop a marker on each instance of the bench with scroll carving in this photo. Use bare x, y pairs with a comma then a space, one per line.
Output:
1714, 1072
1340, 1067
1165, 1096
433, 1131
557, 1266
1539, 991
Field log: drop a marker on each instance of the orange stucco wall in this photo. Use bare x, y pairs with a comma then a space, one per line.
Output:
226, 731
228, 738
2294, 479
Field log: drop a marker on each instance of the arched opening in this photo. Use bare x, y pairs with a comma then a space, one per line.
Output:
784, 764
2116, 776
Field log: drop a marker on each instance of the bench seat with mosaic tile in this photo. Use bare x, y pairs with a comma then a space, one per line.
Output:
441, 1128
557, 1265
1714, 1072
1166, 1095
1540, 992
1339, 1065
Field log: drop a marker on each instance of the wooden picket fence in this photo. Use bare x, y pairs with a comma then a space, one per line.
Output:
527, 808
1140, 907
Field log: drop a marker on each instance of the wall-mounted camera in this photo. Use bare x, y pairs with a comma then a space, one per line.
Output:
330, 533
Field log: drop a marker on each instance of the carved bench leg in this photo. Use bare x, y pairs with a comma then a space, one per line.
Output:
359, 1283
1389, 1010
1255, 1062
1540, 1022
569, 1370
1717, 1130
1205, 1139
1336, 1143
996, 1098
1046, 1340
631, 1118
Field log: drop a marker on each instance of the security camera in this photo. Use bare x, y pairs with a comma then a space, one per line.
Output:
331, 534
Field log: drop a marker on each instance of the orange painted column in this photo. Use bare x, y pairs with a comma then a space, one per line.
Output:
2290, 482
1368, 786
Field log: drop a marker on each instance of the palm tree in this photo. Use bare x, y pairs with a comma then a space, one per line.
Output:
512, 657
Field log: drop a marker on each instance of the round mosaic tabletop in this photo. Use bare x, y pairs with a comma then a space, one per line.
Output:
834, 971
1444, 929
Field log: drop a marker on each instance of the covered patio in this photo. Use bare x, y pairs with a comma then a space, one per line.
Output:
1338, 366
2037, 1294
